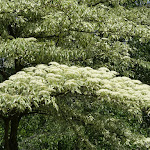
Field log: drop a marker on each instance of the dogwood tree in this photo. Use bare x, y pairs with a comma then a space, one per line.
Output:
87, 33
104, 111
88, 100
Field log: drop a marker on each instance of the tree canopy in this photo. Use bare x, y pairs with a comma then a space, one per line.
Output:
87, 33
98, 80
84, 98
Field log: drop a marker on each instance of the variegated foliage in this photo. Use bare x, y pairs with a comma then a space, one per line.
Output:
84, 32
98, 105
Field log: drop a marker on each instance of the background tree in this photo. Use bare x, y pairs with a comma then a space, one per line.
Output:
82, 33
112, 34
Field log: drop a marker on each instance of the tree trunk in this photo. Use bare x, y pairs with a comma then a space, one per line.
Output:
10, 136
13, 144
18, 66
6, 135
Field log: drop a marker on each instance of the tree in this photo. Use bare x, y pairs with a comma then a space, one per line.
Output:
111, 34
80, 96
86, 33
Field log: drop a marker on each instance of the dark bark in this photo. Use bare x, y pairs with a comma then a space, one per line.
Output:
13, 144
18, 66
6, 135
10, 136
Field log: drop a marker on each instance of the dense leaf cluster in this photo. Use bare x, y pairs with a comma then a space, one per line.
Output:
83, 98
78, 32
